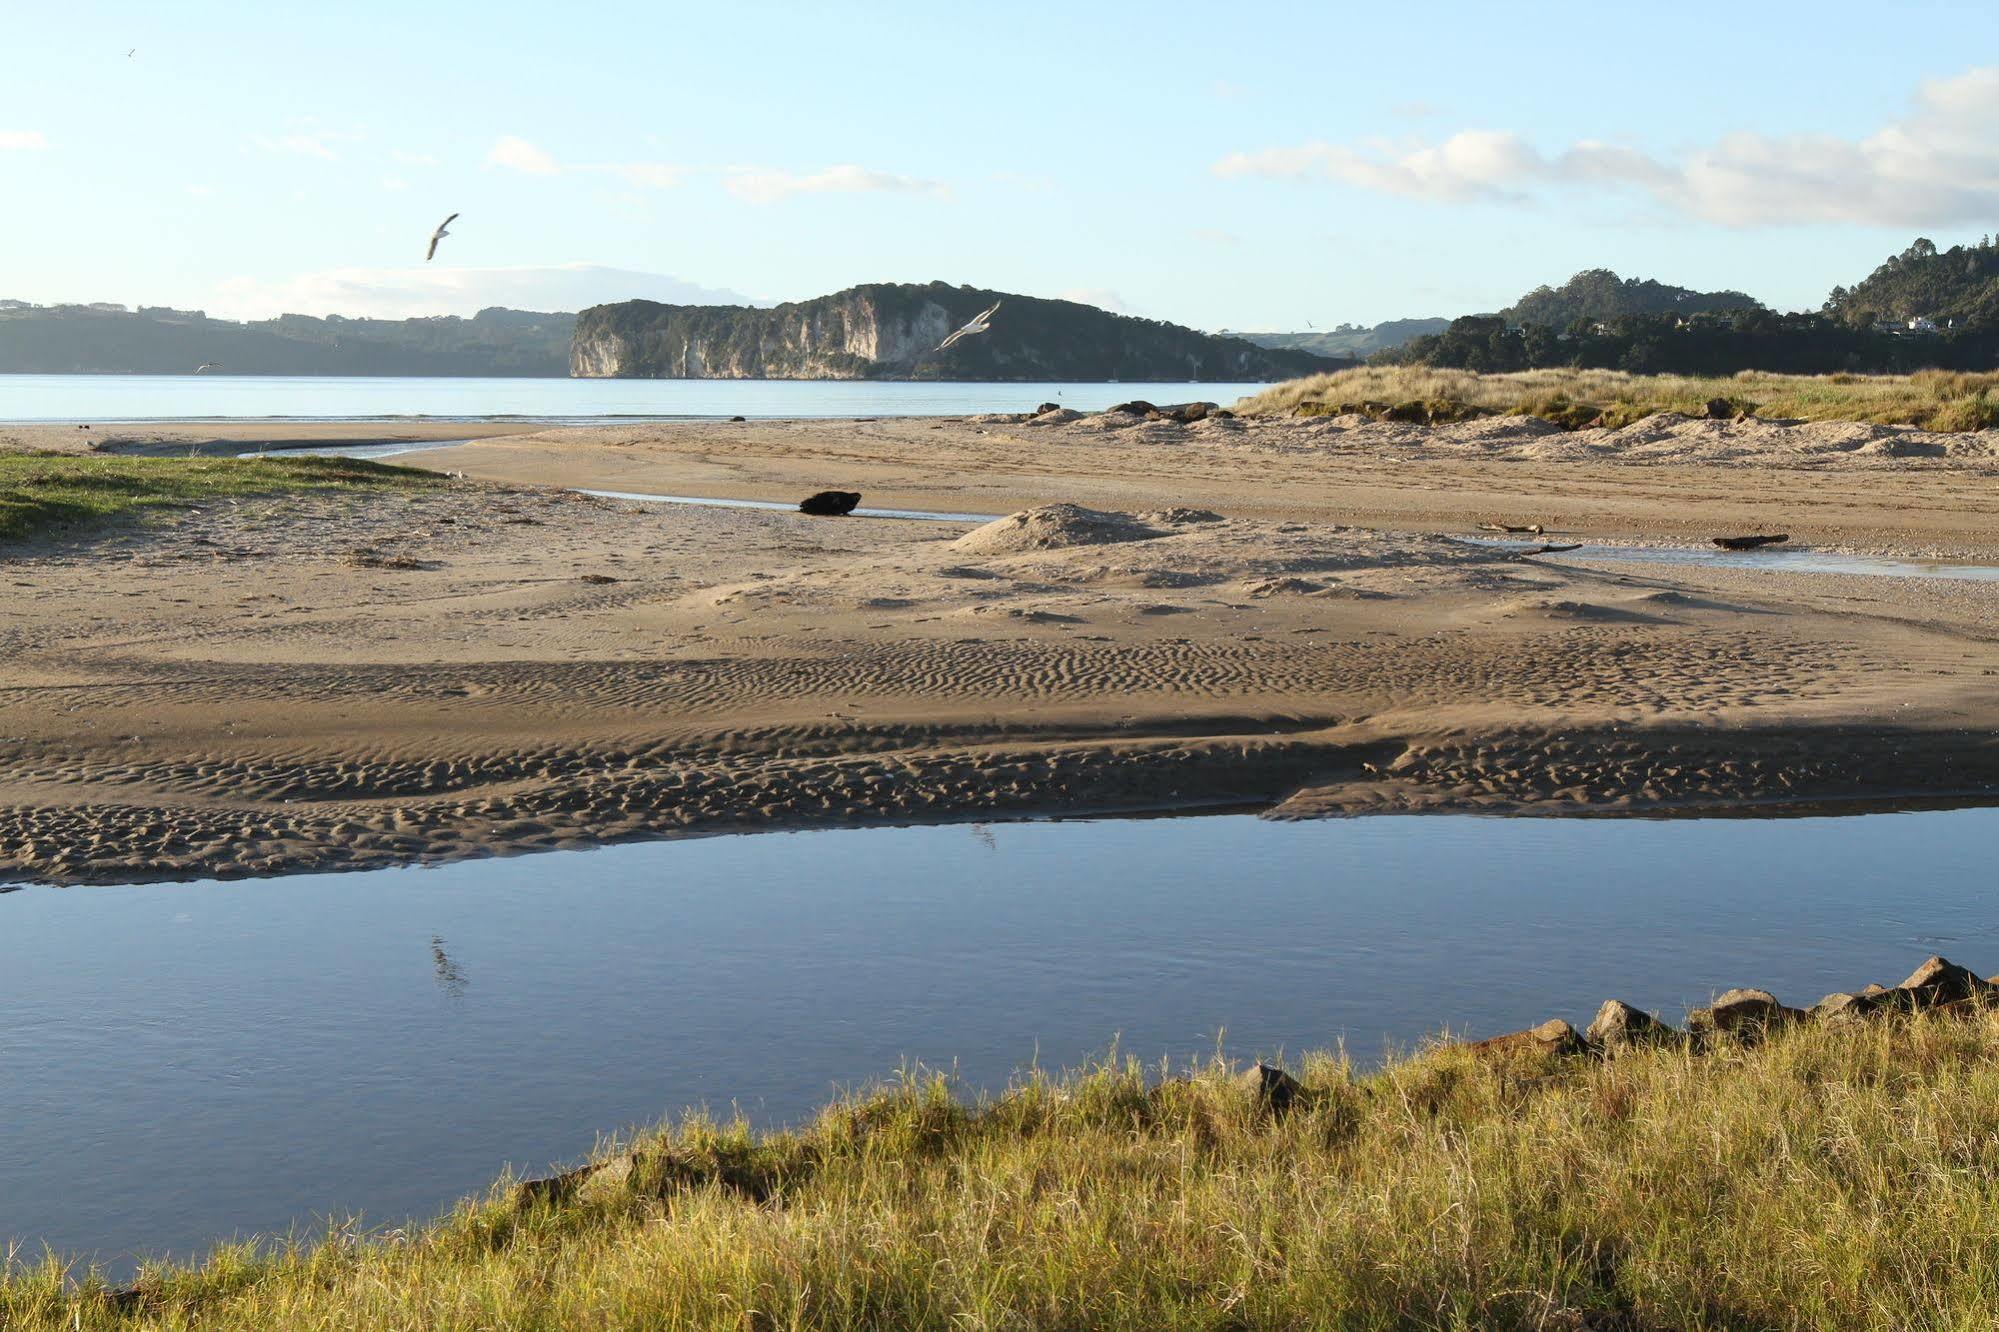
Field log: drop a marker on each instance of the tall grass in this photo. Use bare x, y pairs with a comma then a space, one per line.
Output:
1841, 1175
43, 491
1933, 399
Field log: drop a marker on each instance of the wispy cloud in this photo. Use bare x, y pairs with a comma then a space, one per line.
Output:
517, 154
19, 140
304, 143
1936, 165
764, 185
520, 155
402, 293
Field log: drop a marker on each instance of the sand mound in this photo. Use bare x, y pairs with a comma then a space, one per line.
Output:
1060, 416
1179, 516
1053, 527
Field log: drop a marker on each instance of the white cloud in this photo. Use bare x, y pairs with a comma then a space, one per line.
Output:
402, 293
763, 185
520, 155
516, 154
304, 143
655, 175
22, 141
1937, 165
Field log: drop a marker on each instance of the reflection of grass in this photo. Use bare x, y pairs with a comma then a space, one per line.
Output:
1843, 1175
1934, 399
40, 491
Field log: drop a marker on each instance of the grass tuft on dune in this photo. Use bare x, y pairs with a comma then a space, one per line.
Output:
1931, 399
1839, 1175
42, 492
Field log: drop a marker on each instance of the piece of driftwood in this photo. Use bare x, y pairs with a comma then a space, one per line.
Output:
1533, 529
1750, 542
830, 503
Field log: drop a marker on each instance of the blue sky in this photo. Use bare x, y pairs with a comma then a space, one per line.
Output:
1253, 166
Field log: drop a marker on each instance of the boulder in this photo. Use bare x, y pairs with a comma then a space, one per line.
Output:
1617, 1024
1720, 409
830, 503
1742, 1013
739, 418
1273, 1087
1046, 408
1553, 1037
1136, 407
1938, 981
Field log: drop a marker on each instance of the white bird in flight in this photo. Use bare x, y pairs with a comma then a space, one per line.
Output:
206, 366
437, 236
980, 323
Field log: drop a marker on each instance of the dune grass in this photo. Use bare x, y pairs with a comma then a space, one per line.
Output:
1840, 1175
1932, 399
41, 492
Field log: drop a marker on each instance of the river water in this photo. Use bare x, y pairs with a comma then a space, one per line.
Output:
188, 1062
95, 398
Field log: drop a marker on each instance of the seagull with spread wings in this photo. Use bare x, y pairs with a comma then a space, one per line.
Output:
980, 323
439, 235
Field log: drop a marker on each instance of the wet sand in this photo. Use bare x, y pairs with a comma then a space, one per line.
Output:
496, 666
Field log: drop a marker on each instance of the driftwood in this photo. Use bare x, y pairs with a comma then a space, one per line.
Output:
1750, 542
1531, 530
830, 503
1552, 549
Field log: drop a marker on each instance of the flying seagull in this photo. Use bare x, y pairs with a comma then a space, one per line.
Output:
439, 235
206, 366
980, 323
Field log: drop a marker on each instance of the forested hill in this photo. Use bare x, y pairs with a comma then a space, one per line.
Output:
153, 340
1598, 293
892, 331
1958, 286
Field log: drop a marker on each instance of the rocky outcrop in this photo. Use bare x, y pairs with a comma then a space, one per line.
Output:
892, 331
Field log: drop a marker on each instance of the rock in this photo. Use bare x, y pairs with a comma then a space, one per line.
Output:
1553, 1037
1720, 409
1617, 1024
1743, 1013
1046, 408
1938, 981
1841, 1005
1136, 407
581, 1184
739, 418
830, 503
1188, 412
1272, 1087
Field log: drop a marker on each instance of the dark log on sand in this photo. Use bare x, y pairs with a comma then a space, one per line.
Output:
1750, 542
830, 503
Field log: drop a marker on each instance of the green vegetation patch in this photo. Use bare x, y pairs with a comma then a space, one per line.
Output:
41, 492
1837, 1175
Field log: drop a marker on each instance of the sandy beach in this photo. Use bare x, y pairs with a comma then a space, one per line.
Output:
1271, 614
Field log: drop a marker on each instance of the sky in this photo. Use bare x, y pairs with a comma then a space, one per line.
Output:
1254, 166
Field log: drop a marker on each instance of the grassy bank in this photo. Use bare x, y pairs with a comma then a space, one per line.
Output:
1842, 1174
43, 492
1934, 400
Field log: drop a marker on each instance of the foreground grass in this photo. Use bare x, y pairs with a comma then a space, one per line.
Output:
40, 492
1843, 1175
1932, 399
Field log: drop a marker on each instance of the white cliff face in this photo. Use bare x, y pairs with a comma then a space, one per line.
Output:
598, 357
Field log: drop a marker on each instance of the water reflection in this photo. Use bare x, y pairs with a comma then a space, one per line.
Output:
450, 976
